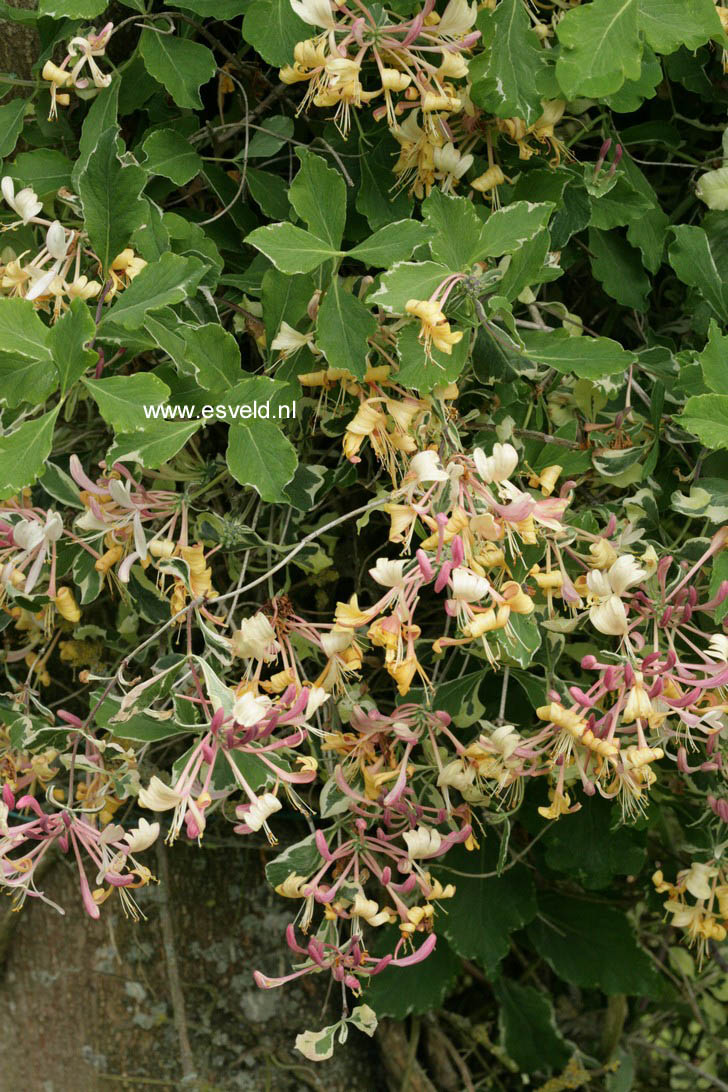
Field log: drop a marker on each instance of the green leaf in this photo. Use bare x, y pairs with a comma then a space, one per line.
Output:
273, 28
45, 169
375, 198
284, 298
290, 248
393, 243
110, 194
154, 444
11, 124
120, 399
270, 138
343, 327
461, 698
318, 195
616, 265
302, 858
68, 339
212, 9
456, 229
587, 848
258, 454
671, 24
179, 65
706, 416
401, 991
102, 115
587, 357
24, 451
167, 281
633, 93
146, 729
528, 1030
71, 9
508, 229
602, 48
714, 360
212, 355
269, 191
692, 258
504, 77
591, 944
24, 380
22, 331
407, 281
485, 912
170, 154
422, 373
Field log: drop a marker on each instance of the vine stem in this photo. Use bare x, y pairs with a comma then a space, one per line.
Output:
176, 994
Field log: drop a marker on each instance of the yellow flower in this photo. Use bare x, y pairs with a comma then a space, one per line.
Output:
66, 605
559, 805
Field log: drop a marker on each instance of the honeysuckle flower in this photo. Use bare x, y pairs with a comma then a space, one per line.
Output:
451, 164
56, 247
390, 574
362, 907
426, 467
288, 341
25, 203
35, 539
435, 328
86, 49
718, 647
457, 775
158, 796
142, 836
468, 587
255, 639
496, 467
560, 805
317, 697
317, 13
697, 879
607, 612
249, 709
456, 20
255, 815
422, 842
712, 189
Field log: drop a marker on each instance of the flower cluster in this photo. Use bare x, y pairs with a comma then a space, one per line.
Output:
54, 276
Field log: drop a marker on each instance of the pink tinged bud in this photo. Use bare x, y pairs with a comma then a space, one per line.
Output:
426, 568
217, 720
32, 803
588, 786
682, 760
443, 576
664, 621
656, 689
207, 752
662, 568
611, 526
386, 875
566, 488
263, 982
670, 660
580, 697
425, 949
628, 674
589, 663
615, 162
554, 695
451, 608
322, 846
352, 983
610, 678
361, 825
70, 718
457, 551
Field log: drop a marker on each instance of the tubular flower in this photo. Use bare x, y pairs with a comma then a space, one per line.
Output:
435, 329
